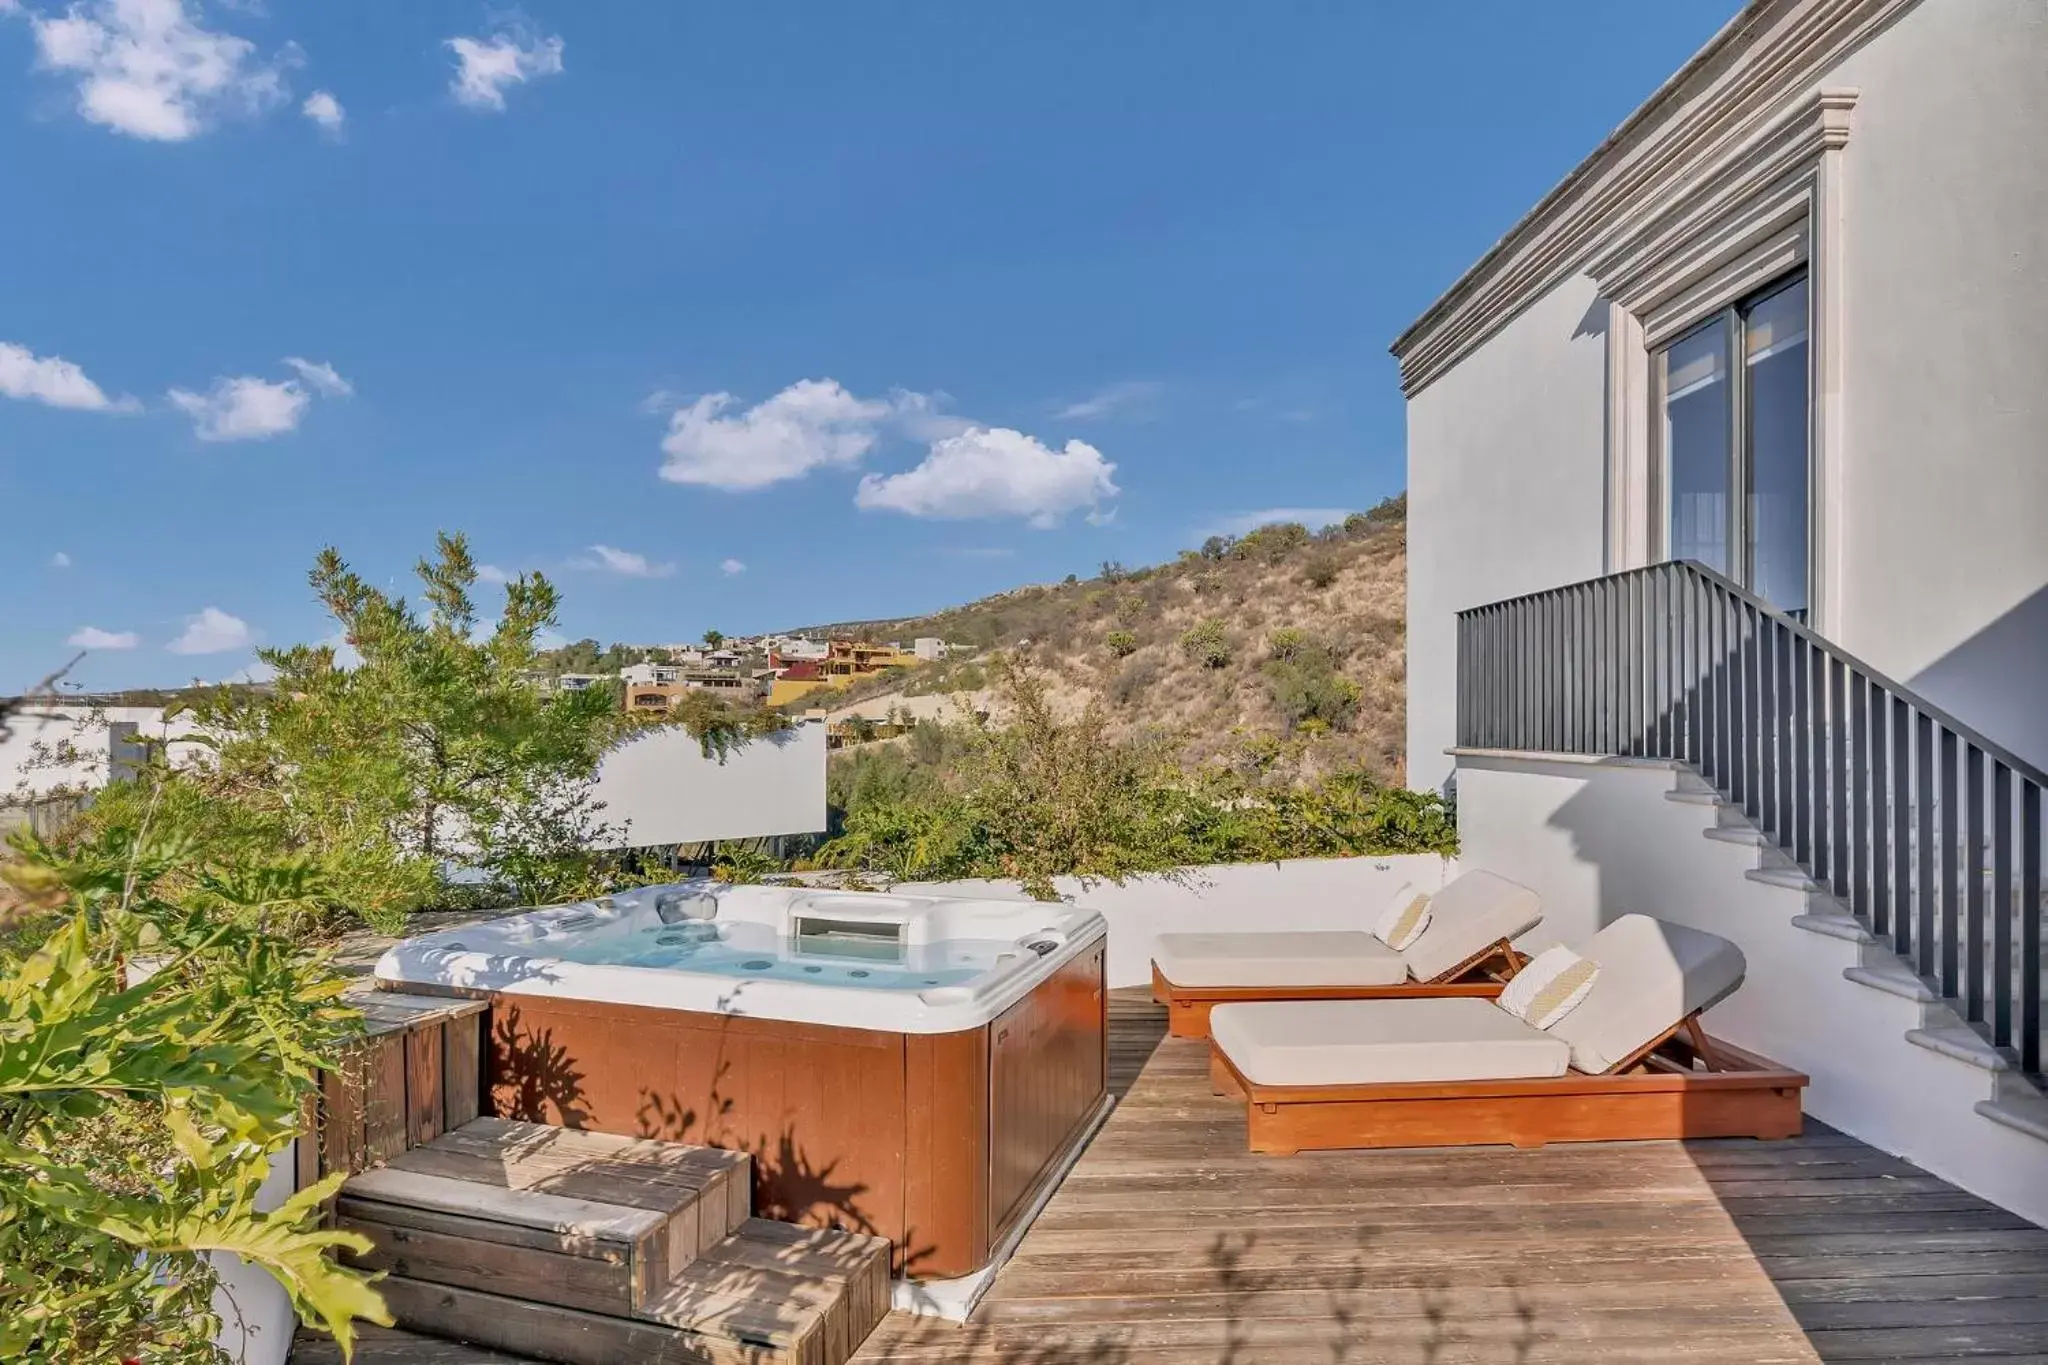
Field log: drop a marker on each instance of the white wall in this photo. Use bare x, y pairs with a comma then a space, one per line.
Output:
665, 791
1506, 492
91, 735
1945, 297
1597, 841
1304, 893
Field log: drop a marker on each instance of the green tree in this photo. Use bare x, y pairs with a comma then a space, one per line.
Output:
138, 1117
714, 638
431, 749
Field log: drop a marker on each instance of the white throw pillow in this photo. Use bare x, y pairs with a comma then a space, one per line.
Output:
1404, 919
1550, 987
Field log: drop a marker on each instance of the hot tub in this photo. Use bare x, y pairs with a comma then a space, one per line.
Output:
920, 1067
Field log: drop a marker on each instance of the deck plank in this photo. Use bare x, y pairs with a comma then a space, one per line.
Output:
1169, 1244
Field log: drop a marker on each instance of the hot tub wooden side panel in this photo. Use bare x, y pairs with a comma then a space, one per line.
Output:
946, 1172
821, 1109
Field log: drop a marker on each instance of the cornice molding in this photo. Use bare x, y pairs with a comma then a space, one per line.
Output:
1744, 102
1743, 218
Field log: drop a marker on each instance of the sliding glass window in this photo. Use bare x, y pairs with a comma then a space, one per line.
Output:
1735, 467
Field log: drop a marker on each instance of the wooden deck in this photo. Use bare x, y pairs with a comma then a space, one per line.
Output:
1170, 1243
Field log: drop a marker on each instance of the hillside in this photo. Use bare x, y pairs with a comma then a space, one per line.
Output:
1281, 633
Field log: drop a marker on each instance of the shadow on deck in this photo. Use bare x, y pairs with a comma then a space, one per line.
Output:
1169, 1243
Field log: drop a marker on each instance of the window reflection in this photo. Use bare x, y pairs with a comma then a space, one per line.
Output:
1774, 350
1697, 445
1736, 456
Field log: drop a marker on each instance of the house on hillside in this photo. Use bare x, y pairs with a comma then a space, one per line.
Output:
1728, 517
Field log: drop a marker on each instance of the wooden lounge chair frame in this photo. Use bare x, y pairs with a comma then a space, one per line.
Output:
1482, 974
1681, 1085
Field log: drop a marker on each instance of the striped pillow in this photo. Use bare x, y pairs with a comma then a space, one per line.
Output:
1403, 921
1550, 987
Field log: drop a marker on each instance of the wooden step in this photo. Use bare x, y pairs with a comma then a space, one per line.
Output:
811, 1295
771, 1294
577, 1220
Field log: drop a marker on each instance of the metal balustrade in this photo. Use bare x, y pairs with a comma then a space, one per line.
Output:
1924, 830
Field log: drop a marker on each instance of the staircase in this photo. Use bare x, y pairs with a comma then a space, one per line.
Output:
2012, 1098
589, 1249
1909, 844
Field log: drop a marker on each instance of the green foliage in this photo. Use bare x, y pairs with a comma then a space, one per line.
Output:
1276, 540
743, 864
714, 638
1311, 694
1217, 547
1287, 642
1207, 643
1121, 643
1320, 571
433, 745
137, 1118
1045, 796
1131, 606
1113, 571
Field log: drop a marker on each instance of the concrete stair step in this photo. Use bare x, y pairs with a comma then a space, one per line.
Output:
2025, 1113
1961, 1043
1893, 977
1690, 797
1790, 878
1834, 925
1747, 835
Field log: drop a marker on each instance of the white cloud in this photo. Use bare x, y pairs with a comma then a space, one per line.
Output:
1132, 397
147, 68
731, 567
484, 67
1315, 518
212, 631
491, 573
812, 423
325, 110
60, 560
995, 472
49, 379
624, 563
245, 408
321, 376
92, 637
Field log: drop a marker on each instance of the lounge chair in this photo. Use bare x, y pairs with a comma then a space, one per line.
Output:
1466, 950
1629, 1061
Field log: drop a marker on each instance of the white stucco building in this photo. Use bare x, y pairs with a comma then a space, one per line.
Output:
1789, 322
1878, 162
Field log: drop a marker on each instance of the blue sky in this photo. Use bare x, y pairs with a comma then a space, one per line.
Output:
731, 316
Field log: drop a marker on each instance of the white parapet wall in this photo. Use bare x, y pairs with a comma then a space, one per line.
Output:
1596, 839
1302, 893
661, 787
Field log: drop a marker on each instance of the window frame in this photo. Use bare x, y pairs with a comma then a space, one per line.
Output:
1732, 318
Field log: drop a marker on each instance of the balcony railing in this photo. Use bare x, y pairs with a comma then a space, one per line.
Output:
1926, 831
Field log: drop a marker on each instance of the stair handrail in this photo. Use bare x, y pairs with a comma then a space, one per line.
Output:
1919, 703
1842, 768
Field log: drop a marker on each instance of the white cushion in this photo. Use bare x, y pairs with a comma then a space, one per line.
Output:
1346, 958
1362, 1042
1404, 919
1652, 975
1474, 909
1534, 995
